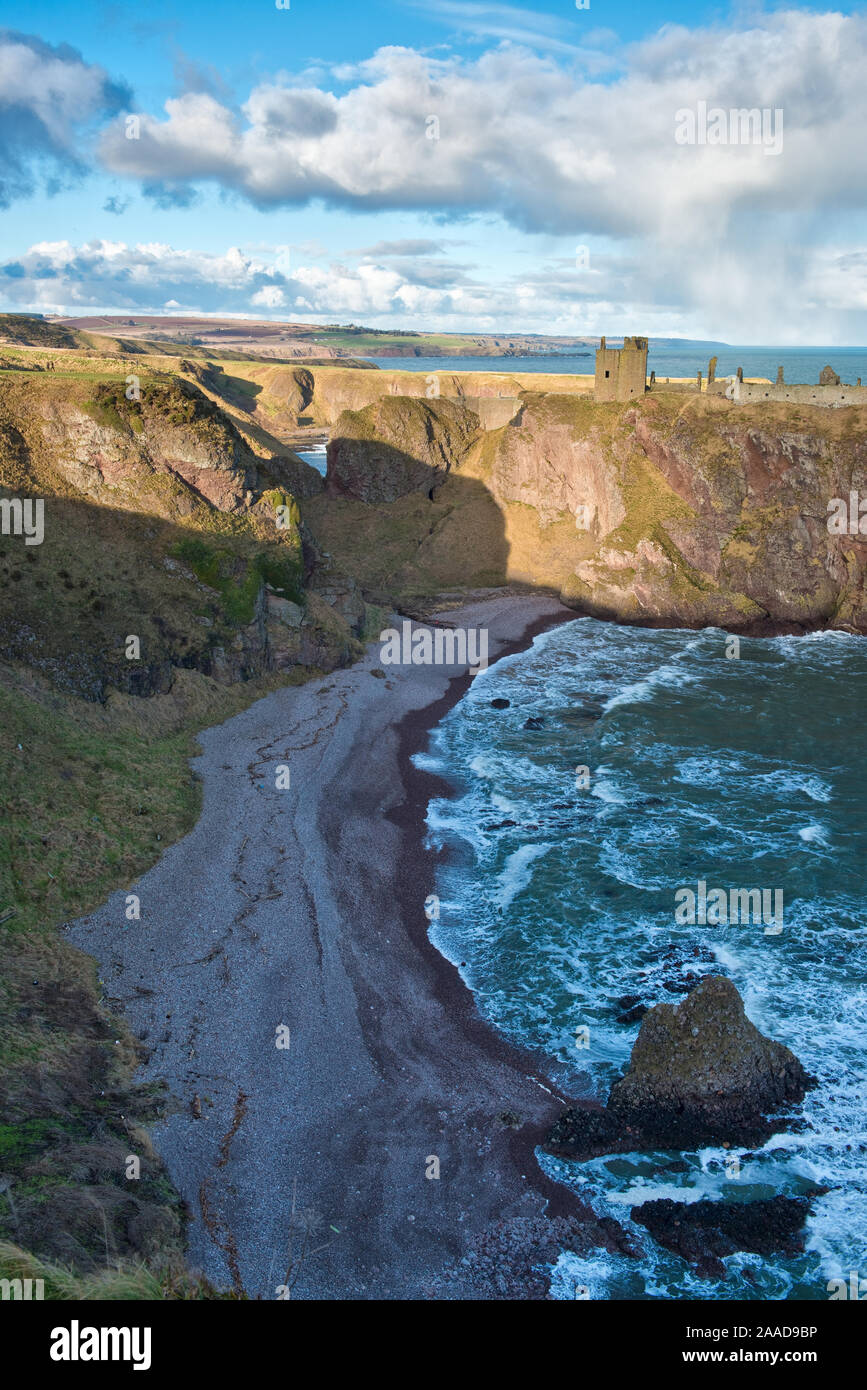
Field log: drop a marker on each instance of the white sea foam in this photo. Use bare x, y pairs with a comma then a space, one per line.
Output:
813, 834
787, 782
428, 762
518, 872
483, 765
608, 792
665, 677
582, 1276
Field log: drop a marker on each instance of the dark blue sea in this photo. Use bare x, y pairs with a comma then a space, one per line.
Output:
558, 896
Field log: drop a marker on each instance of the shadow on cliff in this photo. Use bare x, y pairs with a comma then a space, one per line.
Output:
401, 527
101, 576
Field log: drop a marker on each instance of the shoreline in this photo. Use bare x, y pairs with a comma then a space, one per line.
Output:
302, 910
421, 786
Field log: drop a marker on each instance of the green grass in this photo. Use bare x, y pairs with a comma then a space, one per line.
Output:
83, 808
125, 1281
238, 582
105, 412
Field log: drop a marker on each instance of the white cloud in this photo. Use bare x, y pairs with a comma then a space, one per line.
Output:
106, 275
516, 24
615, 294
723, 235
114, 275
522, 136
271, 297
49, 97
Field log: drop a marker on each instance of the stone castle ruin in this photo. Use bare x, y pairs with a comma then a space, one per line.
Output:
621, 375
830, 391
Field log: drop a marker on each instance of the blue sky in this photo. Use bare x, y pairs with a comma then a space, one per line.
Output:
447, 164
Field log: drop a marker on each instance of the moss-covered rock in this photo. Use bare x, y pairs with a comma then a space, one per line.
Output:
700, 1073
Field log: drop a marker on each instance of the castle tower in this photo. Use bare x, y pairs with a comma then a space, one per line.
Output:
621, 373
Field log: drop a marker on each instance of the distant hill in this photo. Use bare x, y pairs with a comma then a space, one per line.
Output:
286, 341
36, 332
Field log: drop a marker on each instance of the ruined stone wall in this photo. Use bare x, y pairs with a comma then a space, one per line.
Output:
749, 391
633, 369
607, 373
689, 388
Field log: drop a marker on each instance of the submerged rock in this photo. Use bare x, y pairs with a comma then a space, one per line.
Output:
705, 1232
700, 1073
512, 1259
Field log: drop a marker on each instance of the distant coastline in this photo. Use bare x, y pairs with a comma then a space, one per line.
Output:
800, 365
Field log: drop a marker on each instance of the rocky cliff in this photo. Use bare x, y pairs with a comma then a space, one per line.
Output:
162, 525
365, 464
675, 511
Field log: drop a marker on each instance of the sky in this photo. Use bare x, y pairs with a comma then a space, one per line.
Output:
440, 164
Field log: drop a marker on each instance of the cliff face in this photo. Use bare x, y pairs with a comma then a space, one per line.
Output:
172, 446
758, 487
365, 464
668, 512
677, 510
290, 396
160, 525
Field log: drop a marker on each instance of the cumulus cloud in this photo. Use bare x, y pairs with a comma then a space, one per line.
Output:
553, 296
50, 99
617, 293
531, 139
537, 140
112, 275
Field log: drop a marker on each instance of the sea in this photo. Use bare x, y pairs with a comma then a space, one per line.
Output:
316, 456
629, 764
800, 365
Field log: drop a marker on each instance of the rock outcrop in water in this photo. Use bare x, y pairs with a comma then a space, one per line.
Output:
705, 1232
700, 1073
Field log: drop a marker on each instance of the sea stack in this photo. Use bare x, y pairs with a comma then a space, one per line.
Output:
700, 1073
